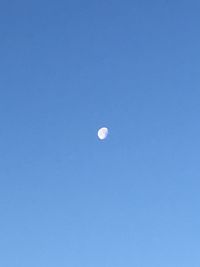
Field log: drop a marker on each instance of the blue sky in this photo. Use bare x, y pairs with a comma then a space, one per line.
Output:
67, 198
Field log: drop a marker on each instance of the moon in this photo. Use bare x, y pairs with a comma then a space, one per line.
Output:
102, 133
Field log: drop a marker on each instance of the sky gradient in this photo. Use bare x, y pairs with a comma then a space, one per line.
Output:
68, 68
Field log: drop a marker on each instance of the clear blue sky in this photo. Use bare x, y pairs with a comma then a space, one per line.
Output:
67, 198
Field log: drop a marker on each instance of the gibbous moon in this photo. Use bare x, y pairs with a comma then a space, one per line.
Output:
102, 133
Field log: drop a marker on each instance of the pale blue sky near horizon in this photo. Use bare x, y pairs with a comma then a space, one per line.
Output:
67, 198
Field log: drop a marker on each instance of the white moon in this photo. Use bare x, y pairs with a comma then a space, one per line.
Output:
102, 133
